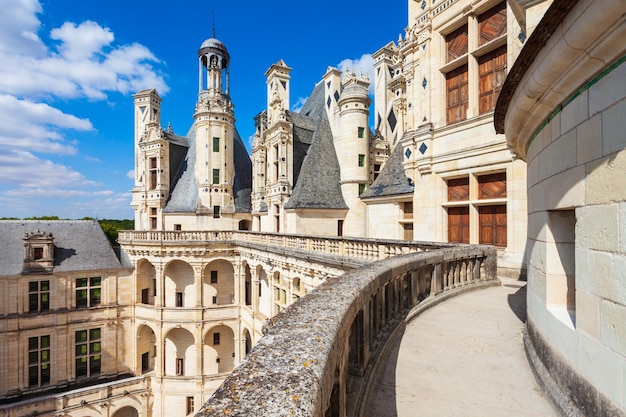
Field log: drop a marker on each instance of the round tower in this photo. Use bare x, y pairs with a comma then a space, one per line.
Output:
214, 131
353, 149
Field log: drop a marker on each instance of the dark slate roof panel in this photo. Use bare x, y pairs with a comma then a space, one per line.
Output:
314, 106
392, 180
80, 245
184, 194
318, 184
242, 188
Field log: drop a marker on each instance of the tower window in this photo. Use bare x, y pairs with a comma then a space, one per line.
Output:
153, 218
362, 188
153, 173
213, 277
216, 339
216, 144
216, 176
361, 160
361, 132
216, 212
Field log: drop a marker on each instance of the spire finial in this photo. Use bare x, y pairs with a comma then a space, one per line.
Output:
213, 16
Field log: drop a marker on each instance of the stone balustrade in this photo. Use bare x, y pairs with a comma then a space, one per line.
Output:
351, 250
318, 356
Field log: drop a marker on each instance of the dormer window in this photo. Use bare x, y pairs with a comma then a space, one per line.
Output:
38, 253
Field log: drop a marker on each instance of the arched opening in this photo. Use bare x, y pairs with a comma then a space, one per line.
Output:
219, 350
146, 349
245, 225
179, 288
146, 282
127, 411
218, 283
248, 340
265, 296
296, 289
180, 353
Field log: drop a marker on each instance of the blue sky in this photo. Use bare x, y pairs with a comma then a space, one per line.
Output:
69, 70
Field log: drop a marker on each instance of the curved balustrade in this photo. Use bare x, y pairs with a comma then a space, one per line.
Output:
316, 358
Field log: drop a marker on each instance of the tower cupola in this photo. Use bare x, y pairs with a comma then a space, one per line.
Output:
213, 74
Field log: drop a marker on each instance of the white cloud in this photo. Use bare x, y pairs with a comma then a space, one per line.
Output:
131, 174
297, 106
26, 170
18, 31
36, 127
82, 41
73, 61
363, 65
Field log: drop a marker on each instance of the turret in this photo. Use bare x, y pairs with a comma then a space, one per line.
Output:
151, 155
352, 145
214, 130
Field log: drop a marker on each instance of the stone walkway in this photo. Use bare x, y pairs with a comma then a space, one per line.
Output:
463, 357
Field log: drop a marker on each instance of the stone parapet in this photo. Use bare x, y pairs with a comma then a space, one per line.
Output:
316, 357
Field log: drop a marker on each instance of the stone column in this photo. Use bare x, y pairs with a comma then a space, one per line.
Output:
159, 300
197, 283
199, 350
237, 282
254, 282
159, 360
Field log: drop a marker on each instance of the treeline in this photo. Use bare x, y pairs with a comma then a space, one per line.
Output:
111, 227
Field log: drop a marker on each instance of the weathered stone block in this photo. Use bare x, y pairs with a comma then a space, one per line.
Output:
587, 134
613, 138
595, 227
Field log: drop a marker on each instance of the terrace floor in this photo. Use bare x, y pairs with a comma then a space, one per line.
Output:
463, 357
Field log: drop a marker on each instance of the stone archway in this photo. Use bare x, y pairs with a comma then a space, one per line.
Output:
179, 285
127, 411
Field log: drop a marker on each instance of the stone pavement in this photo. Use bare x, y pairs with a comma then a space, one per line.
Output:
463, 357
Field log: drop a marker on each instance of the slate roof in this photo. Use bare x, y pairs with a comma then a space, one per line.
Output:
184, 192
318, 183
392, 180
79, 245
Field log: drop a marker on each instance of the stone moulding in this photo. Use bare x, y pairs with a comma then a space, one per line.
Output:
318, 355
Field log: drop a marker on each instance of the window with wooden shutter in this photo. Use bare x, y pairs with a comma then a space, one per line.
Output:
492, 225
457, 94
492, 24
458, 189
492, 186
458, 224
456, 43
491, 72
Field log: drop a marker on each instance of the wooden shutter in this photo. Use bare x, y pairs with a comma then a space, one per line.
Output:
492, 225
456, 43
458, 189
457, 94
492, 24
491, 72
458, 224
492, 186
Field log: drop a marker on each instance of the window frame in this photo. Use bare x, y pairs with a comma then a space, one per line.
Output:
88, 350
92, 289
39, 298
39, 363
